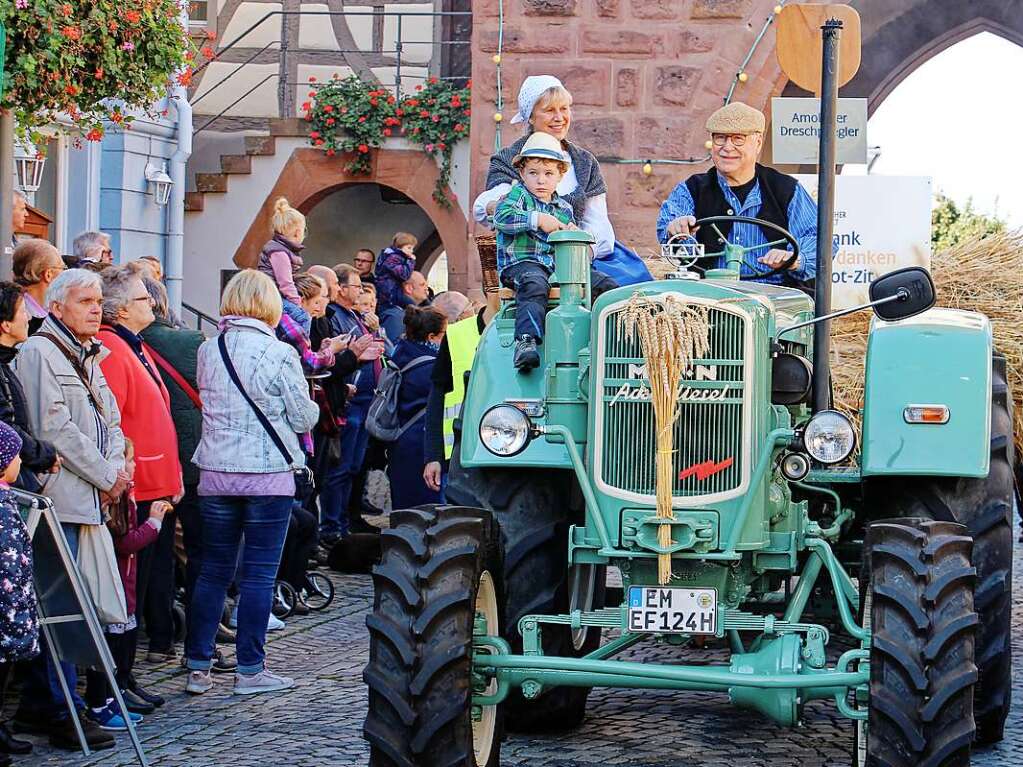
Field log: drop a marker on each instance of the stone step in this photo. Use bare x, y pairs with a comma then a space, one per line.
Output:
236, 163
290, 127
211, 182
195, 201
260, 145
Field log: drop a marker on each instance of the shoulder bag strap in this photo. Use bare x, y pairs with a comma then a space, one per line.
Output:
175, 376
259, 413
411, 421
79, 368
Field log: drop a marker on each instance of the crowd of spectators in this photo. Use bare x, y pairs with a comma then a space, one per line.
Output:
252, 443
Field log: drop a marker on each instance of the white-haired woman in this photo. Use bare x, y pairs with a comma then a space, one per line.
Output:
146, 420
546, 105
246, 484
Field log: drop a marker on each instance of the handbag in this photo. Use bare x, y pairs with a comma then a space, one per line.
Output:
304, 485
97, 564
622, 265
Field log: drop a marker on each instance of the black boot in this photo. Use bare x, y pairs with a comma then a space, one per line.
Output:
526, 355
143, 695
11, 745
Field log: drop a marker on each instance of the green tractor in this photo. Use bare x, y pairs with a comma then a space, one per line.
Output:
490, 612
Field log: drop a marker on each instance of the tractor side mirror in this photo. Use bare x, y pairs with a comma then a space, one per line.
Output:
902, 294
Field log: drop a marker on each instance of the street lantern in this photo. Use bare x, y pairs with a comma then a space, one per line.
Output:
28, 166
161, 183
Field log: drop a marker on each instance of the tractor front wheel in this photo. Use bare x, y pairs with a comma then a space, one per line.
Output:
918, 605
534, 510
438, 585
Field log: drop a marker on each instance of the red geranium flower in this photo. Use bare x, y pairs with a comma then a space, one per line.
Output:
363, 148
314, 135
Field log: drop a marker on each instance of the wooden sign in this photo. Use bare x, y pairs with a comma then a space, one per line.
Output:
799, 42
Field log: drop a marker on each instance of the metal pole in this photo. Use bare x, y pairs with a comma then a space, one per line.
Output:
830, 33
6, 194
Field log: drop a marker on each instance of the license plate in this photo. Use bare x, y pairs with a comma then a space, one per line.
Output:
672, 611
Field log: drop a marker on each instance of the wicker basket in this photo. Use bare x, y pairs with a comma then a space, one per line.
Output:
486, 244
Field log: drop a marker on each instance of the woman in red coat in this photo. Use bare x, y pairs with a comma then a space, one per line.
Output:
146, 420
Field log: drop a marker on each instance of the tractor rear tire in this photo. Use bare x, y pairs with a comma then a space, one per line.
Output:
533, 510
984, 507
440, 566
922, 622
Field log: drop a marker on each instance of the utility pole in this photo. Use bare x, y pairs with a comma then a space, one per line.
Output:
6, 193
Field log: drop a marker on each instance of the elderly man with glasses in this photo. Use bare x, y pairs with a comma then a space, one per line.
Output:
738, 185
93, 246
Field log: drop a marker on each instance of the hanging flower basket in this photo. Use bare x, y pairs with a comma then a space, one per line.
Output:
91, 61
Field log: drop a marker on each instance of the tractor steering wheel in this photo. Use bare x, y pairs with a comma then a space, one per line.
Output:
754, 274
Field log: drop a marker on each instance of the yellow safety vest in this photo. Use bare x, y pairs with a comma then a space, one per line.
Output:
463, 338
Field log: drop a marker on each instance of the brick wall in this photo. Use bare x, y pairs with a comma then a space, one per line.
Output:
644, 75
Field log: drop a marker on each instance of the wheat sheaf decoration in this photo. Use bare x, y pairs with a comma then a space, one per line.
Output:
672, 333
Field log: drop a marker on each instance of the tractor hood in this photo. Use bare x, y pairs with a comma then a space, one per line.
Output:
786, 304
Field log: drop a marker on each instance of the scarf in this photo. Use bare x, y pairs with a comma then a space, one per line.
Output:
585, 165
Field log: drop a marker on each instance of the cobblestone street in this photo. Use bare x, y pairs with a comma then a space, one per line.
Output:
319, 722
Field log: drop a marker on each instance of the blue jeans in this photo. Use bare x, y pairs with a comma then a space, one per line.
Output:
531, 283
263, 520
337, 482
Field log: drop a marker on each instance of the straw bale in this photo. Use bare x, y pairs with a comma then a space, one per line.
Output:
985, 276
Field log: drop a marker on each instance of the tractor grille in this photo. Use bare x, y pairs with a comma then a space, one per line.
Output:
711, 448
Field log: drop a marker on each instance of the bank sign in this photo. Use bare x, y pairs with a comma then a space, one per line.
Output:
795, 131
882, 223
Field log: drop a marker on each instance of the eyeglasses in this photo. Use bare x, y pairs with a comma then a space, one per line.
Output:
738, 139
107, 252
364, 260
147, 298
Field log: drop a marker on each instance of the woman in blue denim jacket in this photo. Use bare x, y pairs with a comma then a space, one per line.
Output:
246, 488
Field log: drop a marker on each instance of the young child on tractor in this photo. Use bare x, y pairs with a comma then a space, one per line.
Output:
525, 259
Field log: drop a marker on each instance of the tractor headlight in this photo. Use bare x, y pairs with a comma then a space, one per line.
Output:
829, 437
505, 430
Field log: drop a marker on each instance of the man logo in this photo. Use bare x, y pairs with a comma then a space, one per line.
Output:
699, 373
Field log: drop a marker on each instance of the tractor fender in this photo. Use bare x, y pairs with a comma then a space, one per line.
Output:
494, 380
940, 357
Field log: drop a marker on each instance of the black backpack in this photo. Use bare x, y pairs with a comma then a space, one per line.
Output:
382, 420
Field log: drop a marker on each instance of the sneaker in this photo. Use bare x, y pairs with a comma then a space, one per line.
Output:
63, 736
110, 719
274, 623
199, 682
161, 656
526, 355
222, 664
264, 681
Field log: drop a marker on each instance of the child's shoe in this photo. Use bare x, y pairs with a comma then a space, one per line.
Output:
109, 717
526, 355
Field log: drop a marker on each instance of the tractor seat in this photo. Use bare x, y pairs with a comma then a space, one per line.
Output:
507, 294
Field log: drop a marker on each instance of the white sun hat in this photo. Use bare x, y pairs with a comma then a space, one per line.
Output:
542, 146
532, 88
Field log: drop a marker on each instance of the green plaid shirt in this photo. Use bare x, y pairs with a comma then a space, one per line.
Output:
518, 236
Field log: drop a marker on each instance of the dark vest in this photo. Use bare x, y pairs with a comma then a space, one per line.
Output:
776, 192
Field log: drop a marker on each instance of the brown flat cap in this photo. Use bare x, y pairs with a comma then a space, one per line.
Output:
736, 118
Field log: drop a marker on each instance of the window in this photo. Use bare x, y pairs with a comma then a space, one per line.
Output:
200, 11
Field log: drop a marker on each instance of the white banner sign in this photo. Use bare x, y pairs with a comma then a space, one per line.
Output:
882, 223
795, 131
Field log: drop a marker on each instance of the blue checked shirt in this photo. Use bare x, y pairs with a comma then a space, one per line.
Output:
802, 214
518, 236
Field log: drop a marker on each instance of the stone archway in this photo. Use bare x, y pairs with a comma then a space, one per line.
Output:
309, 176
